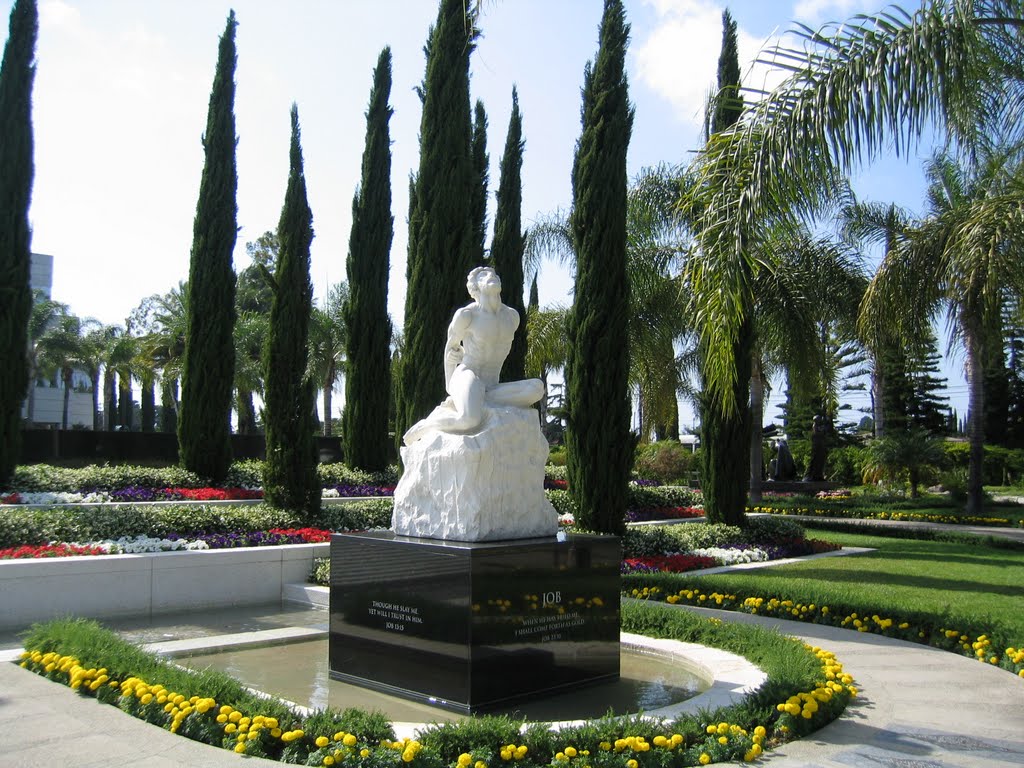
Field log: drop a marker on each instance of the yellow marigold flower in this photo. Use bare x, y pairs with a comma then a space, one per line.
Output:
505, 754
275, 732
235, 716
349, 740
605, 745
328, 760
270, 722
723, 739
704, 758
560, 756
322, 741
520, 753
240, 747
364, 752
631, 764
479, 764
465, 759
222, 718
570, 752
677, 739
660, 741
226, 710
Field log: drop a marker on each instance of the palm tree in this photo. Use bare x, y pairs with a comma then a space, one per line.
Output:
853, 92
43, 320
166, 346
63, 349
912, 451
327, 346
94, 346
250, 336
965, 256
655, 245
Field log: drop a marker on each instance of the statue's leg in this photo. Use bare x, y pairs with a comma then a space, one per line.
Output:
518, 393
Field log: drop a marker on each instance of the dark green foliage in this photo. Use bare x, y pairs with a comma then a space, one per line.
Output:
728, 102
667, 461
598, 439
17, 73
508, 245
289, 479
725, 436
481, 177
367, 325
997, 386
534, 294
208, 371
441, 233
911, 392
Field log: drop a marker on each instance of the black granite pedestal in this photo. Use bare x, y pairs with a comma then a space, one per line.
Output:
473, 626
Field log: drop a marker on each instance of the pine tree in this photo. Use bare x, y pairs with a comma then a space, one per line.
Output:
368, 327
725, 436
208, 370
481, 161
508, 246
17, 73
440, 228
289, 477
600, 446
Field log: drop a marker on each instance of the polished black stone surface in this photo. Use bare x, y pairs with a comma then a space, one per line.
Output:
473, 626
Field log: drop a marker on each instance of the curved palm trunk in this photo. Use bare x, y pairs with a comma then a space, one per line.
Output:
976, 416
168, 405
756, 435
124, 401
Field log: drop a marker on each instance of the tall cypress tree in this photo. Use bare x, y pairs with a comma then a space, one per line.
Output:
508, 246
600, 446
17, 73
481, 161
440, 227
208, 370
289, 477
368, 327
725, 436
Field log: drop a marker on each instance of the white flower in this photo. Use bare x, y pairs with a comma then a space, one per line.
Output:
733, 556
330, 493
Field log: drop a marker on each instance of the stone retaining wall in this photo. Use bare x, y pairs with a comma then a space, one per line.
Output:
108, 586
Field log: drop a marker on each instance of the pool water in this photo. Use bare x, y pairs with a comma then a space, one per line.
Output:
299, 671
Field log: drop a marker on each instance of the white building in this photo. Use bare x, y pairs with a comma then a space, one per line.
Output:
49, 393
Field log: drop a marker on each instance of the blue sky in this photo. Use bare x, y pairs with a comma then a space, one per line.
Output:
122, 89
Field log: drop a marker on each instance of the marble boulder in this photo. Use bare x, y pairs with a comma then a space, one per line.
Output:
487, 485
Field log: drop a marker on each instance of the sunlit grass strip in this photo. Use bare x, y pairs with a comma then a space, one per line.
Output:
978, 646
806, 688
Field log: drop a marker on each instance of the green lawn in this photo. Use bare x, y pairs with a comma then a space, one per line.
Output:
864, 504
974, 588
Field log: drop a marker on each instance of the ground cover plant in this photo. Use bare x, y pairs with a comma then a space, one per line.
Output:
806, 688
963, 595
930, 508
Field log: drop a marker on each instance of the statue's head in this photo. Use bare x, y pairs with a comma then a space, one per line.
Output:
479, 275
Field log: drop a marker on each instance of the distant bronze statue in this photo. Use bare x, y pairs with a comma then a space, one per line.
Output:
784, 468
816, 464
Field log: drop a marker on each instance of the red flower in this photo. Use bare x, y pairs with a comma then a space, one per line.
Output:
309, 535
671, 563
11, 498
30, 551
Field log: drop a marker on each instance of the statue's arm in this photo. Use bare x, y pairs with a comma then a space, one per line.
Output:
453, 347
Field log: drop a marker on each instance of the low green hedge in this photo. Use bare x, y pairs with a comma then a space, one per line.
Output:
244, 474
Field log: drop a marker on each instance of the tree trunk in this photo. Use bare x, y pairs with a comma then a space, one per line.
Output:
328, 400
147, 401
246, 413
124, 401
66, 374
97, 422
877, 396
756, 425
976, 418
31, 396
168, 405
109, 399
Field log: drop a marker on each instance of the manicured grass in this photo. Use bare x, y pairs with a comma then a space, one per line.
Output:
930, 504
974, 588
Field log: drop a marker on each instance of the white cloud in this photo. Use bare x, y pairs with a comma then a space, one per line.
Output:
813, 12
56, 13
680, 57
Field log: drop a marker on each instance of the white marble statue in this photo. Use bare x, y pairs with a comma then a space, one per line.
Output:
474, 468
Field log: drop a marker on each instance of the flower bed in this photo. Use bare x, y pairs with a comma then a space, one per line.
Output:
172, 543
668, 563
663, 513
979, 647
135, 494
216, 710
906, 517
